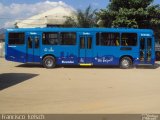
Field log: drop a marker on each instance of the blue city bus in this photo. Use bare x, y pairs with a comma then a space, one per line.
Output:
81, 46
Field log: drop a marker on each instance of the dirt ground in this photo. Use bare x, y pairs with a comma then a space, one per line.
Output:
33, 89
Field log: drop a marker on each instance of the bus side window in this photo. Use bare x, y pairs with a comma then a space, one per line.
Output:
107, 39
68, 38
50, 38
129, 39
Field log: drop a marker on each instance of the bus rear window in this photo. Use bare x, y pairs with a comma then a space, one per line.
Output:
129, 39
16, 38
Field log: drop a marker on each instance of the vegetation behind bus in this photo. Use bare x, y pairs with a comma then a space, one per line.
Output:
121, 13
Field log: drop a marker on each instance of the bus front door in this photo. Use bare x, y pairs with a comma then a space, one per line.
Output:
33, 50
146, 50
85, 53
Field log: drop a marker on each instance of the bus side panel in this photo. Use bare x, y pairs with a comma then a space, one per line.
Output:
112, 55
65, 55
16, 53
106, 55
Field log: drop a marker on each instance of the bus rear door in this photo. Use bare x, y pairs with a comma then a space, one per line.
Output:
85, 51
33, 51
146, 47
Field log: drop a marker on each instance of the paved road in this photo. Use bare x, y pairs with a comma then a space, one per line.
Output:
33, 89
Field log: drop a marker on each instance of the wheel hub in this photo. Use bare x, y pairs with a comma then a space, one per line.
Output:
125, 63
49, 62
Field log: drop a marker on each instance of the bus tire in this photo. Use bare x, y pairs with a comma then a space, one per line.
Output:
49, 62
126, 63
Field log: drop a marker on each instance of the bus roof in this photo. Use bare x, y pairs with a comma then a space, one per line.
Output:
56, 29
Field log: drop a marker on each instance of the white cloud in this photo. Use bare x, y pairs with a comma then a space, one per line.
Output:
16, 11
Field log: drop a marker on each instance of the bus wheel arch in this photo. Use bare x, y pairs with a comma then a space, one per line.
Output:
49, 61
126, 62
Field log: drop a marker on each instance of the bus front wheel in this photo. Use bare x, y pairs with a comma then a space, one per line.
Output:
125, 63
49, 62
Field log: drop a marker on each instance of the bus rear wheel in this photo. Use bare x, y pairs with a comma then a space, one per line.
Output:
126, 63
49, 62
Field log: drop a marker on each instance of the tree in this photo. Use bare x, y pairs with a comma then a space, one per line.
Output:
130, 13
84, 19
70, 22
115, 5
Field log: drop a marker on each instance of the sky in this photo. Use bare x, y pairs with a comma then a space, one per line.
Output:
12, 10
74, 3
